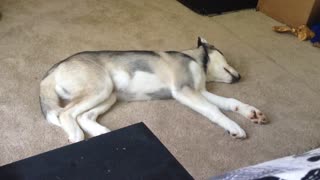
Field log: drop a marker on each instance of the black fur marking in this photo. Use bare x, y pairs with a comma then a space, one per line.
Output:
176, 54
205, 59
218, 51
149, 53
314, 158
268, 178
312, 175
213, 48
199, 42
117, 53
161, 94
120, 53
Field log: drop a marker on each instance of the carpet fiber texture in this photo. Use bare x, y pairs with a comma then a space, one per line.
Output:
280, 77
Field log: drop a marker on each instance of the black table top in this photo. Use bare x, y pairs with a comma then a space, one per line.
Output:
131, 153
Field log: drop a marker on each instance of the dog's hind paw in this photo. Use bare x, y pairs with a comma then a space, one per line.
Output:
253, 114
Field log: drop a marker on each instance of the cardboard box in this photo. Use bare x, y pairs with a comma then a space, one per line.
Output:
292, 12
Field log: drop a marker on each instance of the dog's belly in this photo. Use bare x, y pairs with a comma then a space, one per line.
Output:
142, 86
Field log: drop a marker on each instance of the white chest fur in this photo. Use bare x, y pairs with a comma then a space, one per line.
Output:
138, 87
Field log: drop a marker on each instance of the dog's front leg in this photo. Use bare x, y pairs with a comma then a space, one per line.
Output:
198, 103
230, 104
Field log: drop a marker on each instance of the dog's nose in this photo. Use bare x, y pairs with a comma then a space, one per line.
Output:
235, 78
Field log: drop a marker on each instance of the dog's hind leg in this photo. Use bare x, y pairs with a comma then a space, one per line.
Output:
196, 101
73, 110
230, 104
87, 120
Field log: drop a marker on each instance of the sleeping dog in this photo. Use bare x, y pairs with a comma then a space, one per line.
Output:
77, 90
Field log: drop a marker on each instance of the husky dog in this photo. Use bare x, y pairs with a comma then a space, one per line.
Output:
77, 90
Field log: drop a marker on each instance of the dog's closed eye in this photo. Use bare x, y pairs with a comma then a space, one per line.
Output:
227, 71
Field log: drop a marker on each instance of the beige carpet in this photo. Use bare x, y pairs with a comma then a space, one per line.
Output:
280, 77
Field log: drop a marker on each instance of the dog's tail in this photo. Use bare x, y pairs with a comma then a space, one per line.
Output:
49, 101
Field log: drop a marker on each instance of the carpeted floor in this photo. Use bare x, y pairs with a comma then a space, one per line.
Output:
280, 77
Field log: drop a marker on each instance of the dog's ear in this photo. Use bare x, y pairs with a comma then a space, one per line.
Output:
201, 41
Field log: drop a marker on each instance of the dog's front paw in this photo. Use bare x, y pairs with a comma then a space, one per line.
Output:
253, 114
235, 131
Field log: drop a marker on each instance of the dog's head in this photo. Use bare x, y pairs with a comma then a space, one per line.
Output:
216, 67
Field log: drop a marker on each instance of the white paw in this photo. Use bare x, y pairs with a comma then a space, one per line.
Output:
76, 137
236, 131
252, 113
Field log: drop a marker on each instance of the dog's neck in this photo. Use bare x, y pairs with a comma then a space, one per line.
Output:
200, 54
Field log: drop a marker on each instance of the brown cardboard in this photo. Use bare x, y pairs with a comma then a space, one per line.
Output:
292, 12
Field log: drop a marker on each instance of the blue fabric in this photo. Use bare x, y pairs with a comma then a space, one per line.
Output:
316, 30
298, 167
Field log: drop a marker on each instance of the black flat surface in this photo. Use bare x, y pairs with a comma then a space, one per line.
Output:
129, 153
209, 7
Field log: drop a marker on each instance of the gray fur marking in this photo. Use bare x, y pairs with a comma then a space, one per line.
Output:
139, 65
112, 54
185, 60
90, 115
187, 82
125, 95
65, 91
163, 93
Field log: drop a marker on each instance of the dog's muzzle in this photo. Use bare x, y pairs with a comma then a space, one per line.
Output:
235, 78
